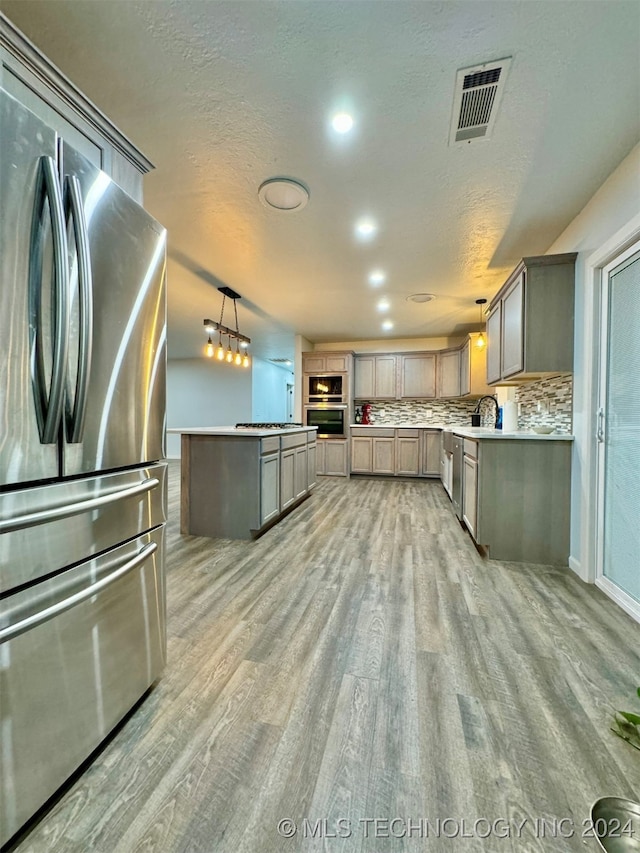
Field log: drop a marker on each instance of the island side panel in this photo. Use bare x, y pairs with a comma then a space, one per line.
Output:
524, 500
224, 486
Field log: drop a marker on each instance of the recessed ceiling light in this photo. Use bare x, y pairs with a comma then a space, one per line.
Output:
376, 278
421, 297
366, 228
387, 325
384, 304
342, 122
283, 194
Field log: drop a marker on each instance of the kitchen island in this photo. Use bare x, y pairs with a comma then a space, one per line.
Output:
238, 482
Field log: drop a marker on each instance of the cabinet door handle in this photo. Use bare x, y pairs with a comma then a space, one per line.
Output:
600, 430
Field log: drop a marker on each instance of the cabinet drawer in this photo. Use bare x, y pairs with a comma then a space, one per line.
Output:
269, 445
295, 440
312, 436
408, 433
373, 432
471, 448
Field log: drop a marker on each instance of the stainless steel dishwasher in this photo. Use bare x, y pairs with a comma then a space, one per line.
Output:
456, 478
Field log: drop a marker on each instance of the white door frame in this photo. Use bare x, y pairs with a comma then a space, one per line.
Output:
624, 600
585, 459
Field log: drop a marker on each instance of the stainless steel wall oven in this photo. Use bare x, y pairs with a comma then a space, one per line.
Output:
331, 421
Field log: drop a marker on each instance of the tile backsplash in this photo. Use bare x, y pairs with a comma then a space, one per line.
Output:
409, 412
546, 402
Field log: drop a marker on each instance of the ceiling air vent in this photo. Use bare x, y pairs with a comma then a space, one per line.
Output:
477, 97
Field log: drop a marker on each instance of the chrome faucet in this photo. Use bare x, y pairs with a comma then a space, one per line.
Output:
494, 400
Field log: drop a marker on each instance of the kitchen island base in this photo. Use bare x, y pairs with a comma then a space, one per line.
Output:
236, 485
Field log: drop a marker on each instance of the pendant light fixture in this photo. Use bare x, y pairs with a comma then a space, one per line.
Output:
481, 340
210, 326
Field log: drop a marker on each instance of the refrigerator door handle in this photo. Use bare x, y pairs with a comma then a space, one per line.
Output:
13, 631
48, 409
66, 510
74, 210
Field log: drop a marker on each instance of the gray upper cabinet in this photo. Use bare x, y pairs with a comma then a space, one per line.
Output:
449, 373
375, 377
530, 326
410, 376
417, 376
494, 325
512, 349
34, 81
327, 362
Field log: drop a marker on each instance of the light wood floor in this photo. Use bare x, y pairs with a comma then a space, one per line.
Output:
362, 661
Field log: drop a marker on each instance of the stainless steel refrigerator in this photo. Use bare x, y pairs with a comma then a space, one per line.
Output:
82, 484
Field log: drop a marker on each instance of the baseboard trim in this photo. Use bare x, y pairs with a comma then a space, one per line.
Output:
576, 566
628, 604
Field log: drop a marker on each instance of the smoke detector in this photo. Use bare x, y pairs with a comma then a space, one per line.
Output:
477, 96
284, 194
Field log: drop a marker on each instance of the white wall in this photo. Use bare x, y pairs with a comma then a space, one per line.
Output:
270, 391
205, 392
300, 345
604, 227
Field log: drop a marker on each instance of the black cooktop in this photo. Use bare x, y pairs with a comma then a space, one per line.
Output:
271, 425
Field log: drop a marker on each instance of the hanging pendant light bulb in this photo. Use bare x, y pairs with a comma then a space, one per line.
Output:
481, 340
237, 358
220, 349
229, 355
245, 360
209, 348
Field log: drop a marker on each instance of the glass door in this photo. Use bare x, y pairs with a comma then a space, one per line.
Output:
619, 433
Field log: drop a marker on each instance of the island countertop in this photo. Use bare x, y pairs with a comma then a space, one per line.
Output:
234, 431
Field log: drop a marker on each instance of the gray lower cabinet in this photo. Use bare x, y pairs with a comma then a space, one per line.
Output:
301, 479
405, 452
431, 440
408, 453
332, 457
269, 487
470, 486
287, 478
516, 498
311, 464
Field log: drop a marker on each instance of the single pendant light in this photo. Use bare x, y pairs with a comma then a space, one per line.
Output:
481, 340
209, 348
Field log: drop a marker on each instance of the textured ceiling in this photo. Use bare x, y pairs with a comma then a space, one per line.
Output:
222, 95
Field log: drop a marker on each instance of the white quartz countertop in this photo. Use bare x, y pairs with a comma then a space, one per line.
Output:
475, 432
231, 430
489, 432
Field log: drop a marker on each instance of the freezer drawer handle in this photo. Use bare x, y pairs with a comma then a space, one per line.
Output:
74, 210
46, 515
30, 622
48, 411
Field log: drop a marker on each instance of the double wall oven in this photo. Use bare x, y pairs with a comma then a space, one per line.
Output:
332, 421
326, 404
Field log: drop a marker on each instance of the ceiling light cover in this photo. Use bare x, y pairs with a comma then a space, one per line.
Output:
366, 228
283, 194
376, 278
342, 122
387, 325
421, 297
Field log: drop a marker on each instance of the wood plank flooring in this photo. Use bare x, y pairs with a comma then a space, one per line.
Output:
361, 663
